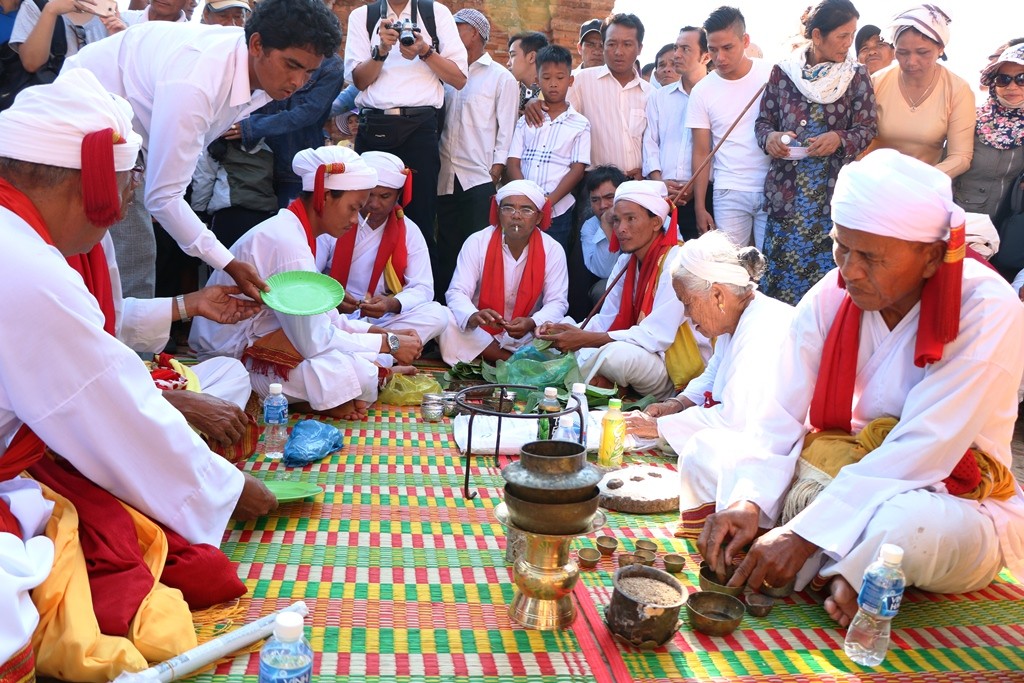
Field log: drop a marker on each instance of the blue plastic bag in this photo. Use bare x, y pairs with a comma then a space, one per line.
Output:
311, 441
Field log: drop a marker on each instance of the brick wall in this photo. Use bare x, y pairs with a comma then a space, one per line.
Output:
559, 19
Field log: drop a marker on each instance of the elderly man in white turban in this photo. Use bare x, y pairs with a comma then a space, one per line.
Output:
510, 279
640, 338
65, 382
383, 262
326, 360
893, 411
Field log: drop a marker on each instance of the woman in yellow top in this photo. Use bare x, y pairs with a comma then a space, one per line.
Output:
924, 110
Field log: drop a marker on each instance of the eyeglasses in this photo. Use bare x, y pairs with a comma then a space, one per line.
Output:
524, 211
1003, 80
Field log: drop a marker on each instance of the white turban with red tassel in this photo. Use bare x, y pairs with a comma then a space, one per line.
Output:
75, 123
894, 195
332, 168
391, 172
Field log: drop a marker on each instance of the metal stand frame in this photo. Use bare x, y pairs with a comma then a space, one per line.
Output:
475, 409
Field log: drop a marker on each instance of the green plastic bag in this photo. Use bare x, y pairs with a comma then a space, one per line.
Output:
408, 390
536, 368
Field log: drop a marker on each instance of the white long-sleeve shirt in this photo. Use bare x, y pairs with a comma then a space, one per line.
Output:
187, 84
968, 398
668, 143
464, 293
91, 399
479, 120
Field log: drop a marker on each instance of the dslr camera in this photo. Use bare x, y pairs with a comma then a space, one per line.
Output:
406, 28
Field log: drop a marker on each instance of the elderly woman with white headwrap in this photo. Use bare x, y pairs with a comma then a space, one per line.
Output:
924, 109
717, 284
510, 278
326, 360
893, 411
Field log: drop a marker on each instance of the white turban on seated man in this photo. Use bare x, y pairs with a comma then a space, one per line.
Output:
510, 278
905, 363
716, 281
132, 475
328, 361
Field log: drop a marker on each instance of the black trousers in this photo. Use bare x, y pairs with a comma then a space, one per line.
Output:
413, 139
231, 223
459, 215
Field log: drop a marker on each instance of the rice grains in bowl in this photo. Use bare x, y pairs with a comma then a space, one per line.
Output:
649, 591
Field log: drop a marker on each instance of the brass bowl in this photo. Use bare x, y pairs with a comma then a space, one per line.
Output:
759, 605
646, 544
674, 563
627, 559
714, 614
708, 582
552, 519
588, 557
783, 591
607, 544
644, 557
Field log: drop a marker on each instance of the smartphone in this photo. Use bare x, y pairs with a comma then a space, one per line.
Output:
101, 8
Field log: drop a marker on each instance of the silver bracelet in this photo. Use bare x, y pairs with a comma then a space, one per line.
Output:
182, 313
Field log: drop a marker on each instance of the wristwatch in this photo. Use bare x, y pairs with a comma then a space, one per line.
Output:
376, 54
393, 342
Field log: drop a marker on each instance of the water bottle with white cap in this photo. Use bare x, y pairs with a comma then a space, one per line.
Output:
286, 657
867, 638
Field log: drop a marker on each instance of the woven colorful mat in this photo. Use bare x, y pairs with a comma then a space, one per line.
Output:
407, 581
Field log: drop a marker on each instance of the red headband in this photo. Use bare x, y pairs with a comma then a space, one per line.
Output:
407, 187
319, 196
100, 195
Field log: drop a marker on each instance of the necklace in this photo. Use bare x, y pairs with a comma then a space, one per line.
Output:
906, 91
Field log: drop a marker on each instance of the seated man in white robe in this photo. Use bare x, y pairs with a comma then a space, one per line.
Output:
717, 283
383, 262
326, 360
893, 412
640, 338
65, 382
510, 278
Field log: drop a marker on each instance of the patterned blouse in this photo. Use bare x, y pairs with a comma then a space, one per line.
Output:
784, 108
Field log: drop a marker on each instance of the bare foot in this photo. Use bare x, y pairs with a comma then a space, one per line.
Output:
493, 353
841, 604
403, 370
349, 410
601, 381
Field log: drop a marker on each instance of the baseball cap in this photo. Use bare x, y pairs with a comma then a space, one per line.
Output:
221, 5
589, 27
476, 19
866, 33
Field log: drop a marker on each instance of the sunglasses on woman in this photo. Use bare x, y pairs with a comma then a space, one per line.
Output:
1003, 80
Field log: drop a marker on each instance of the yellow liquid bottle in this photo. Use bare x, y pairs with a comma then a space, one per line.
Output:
613, 436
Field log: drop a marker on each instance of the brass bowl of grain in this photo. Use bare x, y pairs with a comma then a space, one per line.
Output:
644, 607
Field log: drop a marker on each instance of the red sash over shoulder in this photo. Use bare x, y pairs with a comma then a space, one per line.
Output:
492, 282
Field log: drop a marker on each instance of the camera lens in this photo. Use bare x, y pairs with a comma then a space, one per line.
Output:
407, 38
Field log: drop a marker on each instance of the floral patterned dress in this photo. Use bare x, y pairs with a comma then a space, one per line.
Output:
797, 193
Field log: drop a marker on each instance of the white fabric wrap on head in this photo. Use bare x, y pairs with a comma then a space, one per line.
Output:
388, 167
893, 195
694, 258
46, 123
525, 188
927, 19
357, 175
650, 194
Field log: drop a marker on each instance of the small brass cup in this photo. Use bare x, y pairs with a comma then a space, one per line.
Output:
588, 557
674, 563
607, 544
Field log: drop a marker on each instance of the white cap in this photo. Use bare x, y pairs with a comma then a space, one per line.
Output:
276, 388
550, 392
891, 553
579, 388
288, 625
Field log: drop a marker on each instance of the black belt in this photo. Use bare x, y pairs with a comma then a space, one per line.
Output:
399, 111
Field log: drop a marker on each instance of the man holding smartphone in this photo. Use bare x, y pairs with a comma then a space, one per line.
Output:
83, 22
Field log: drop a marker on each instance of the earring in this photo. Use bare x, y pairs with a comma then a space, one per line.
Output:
721, 308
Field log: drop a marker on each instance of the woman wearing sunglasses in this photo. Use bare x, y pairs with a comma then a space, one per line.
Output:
998, 137
924, 109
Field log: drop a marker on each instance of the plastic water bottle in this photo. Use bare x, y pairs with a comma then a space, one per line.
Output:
275, 423
286, 657
613, 435
579, 392
867, 639
567, 430
548, 404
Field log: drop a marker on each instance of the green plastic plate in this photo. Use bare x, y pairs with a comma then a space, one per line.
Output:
300, 292
288, 491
